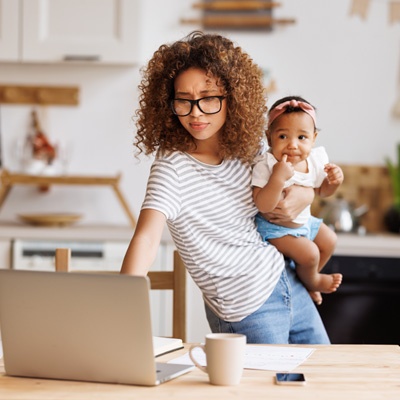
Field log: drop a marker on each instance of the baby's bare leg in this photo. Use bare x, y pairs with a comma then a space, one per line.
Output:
305, 254
326, 241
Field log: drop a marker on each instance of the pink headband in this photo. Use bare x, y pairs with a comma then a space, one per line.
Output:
281, 108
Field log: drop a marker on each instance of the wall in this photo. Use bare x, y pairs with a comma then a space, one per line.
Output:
348, 68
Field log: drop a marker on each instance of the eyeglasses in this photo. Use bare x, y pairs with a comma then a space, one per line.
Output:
207, 105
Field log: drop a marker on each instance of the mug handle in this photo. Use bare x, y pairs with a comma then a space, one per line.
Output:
202, 347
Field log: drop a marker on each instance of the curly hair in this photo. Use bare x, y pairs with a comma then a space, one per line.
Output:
240, 78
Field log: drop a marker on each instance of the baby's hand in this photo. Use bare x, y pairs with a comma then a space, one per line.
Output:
283, 169
334, 174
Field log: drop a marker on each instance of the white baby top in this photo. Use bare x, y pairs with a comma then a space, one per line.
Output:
318, 157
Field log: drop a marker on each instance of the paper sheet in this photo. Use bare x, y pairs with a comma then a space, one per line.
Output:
270, 358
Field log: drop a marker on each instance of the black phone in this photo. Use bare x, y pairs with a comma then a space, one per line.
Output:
283, 378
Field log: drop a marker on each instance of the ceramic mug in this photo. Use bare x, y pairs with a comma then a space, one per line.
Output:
225, 357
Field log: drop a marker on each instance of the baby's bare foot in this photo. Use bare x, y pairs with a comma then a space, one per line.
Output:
324, 283
316, 297
329, 283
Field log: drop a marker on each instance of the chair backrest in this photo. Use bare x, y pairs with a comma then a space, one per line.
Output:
174, 280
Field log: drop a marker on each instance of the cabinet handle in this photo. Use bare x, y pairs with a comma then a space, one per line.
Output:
72, 57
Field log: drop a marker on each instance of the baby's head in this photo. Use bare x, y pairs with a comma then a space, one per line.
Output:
288, 105
291, 129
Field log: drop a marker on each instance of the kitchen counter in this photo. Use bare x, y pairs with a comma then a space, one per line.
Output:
15, 230
74, 232
369, 245
106, 245
374, 245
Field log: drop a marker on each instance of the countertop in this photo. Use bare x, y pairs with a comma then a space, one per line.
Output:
15, 230
374, 245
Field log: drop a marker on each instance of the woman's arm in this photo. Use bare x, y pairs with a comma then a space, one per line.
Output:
143, 247
296, 199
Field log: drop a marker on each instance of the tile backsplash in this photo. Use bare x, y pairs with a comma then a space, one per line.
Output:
365, 185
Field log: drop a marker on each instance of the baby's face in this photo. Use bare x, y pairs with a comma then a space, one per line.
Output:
292, 134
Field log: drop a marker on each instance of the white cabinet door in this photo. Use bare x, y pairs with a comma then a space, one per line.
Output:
5, 253
103, 31
9, 26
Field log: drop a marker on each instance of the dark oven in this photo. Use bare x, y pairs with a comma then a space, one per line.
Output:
366, 308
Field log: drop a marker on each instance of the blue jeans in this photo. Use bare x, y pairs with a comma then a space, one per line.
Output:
288, 316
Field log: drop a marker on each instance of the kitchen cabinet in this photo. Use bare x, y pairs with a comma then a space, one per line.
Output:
5, 253
95, 31
31, 246
9, 30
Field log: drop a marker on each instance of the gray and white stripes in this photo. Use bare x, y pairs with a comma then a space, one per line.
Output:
210, 214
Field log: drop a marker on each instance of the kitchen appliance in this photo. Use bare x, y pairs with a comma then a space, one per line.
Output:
365, 308
85, 255
341, 215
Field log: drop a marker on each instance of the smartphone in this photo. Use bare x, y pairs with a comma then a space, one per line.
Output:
290, 379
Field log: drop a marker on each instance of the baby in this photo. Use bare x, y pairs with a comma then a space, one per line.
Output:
292, 160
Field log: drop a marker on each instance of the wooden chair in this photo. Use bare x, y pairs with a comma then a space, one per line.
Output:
160, 280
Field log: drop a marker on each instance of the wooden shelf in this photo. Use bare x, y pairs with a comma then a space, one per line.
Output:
239, 21
237, 14
235, 5
9, 180
44, 95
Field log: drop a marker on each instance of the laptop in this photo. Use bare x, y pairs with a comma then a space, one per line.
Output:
86, 327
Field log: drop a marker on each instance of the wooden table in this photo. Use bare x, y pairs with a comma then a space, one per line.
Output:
338, 372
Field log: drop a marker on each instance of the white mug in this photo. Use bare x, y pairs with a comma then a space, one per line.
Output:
225, 357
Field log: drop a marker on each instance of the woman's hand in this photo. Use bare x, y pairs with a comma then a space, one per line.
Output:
296, 198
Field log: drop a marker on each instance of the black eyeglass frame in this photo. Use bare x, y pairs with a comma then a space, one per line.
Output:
196, 102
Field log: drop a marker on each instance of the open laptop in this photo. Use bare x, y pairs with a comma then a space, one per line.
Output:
87, 327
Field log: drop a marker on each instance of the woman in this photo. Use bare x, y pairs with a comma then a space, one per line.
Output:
202, 110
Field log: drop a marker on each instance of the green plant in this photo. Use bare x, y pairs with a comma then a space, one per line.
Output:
394, 173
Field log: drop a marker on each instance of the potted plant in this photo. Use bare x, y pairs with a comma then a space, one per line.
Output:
392, 216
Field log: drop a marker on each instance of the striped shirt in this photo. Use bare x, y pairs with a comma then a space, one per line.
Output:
210, 214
